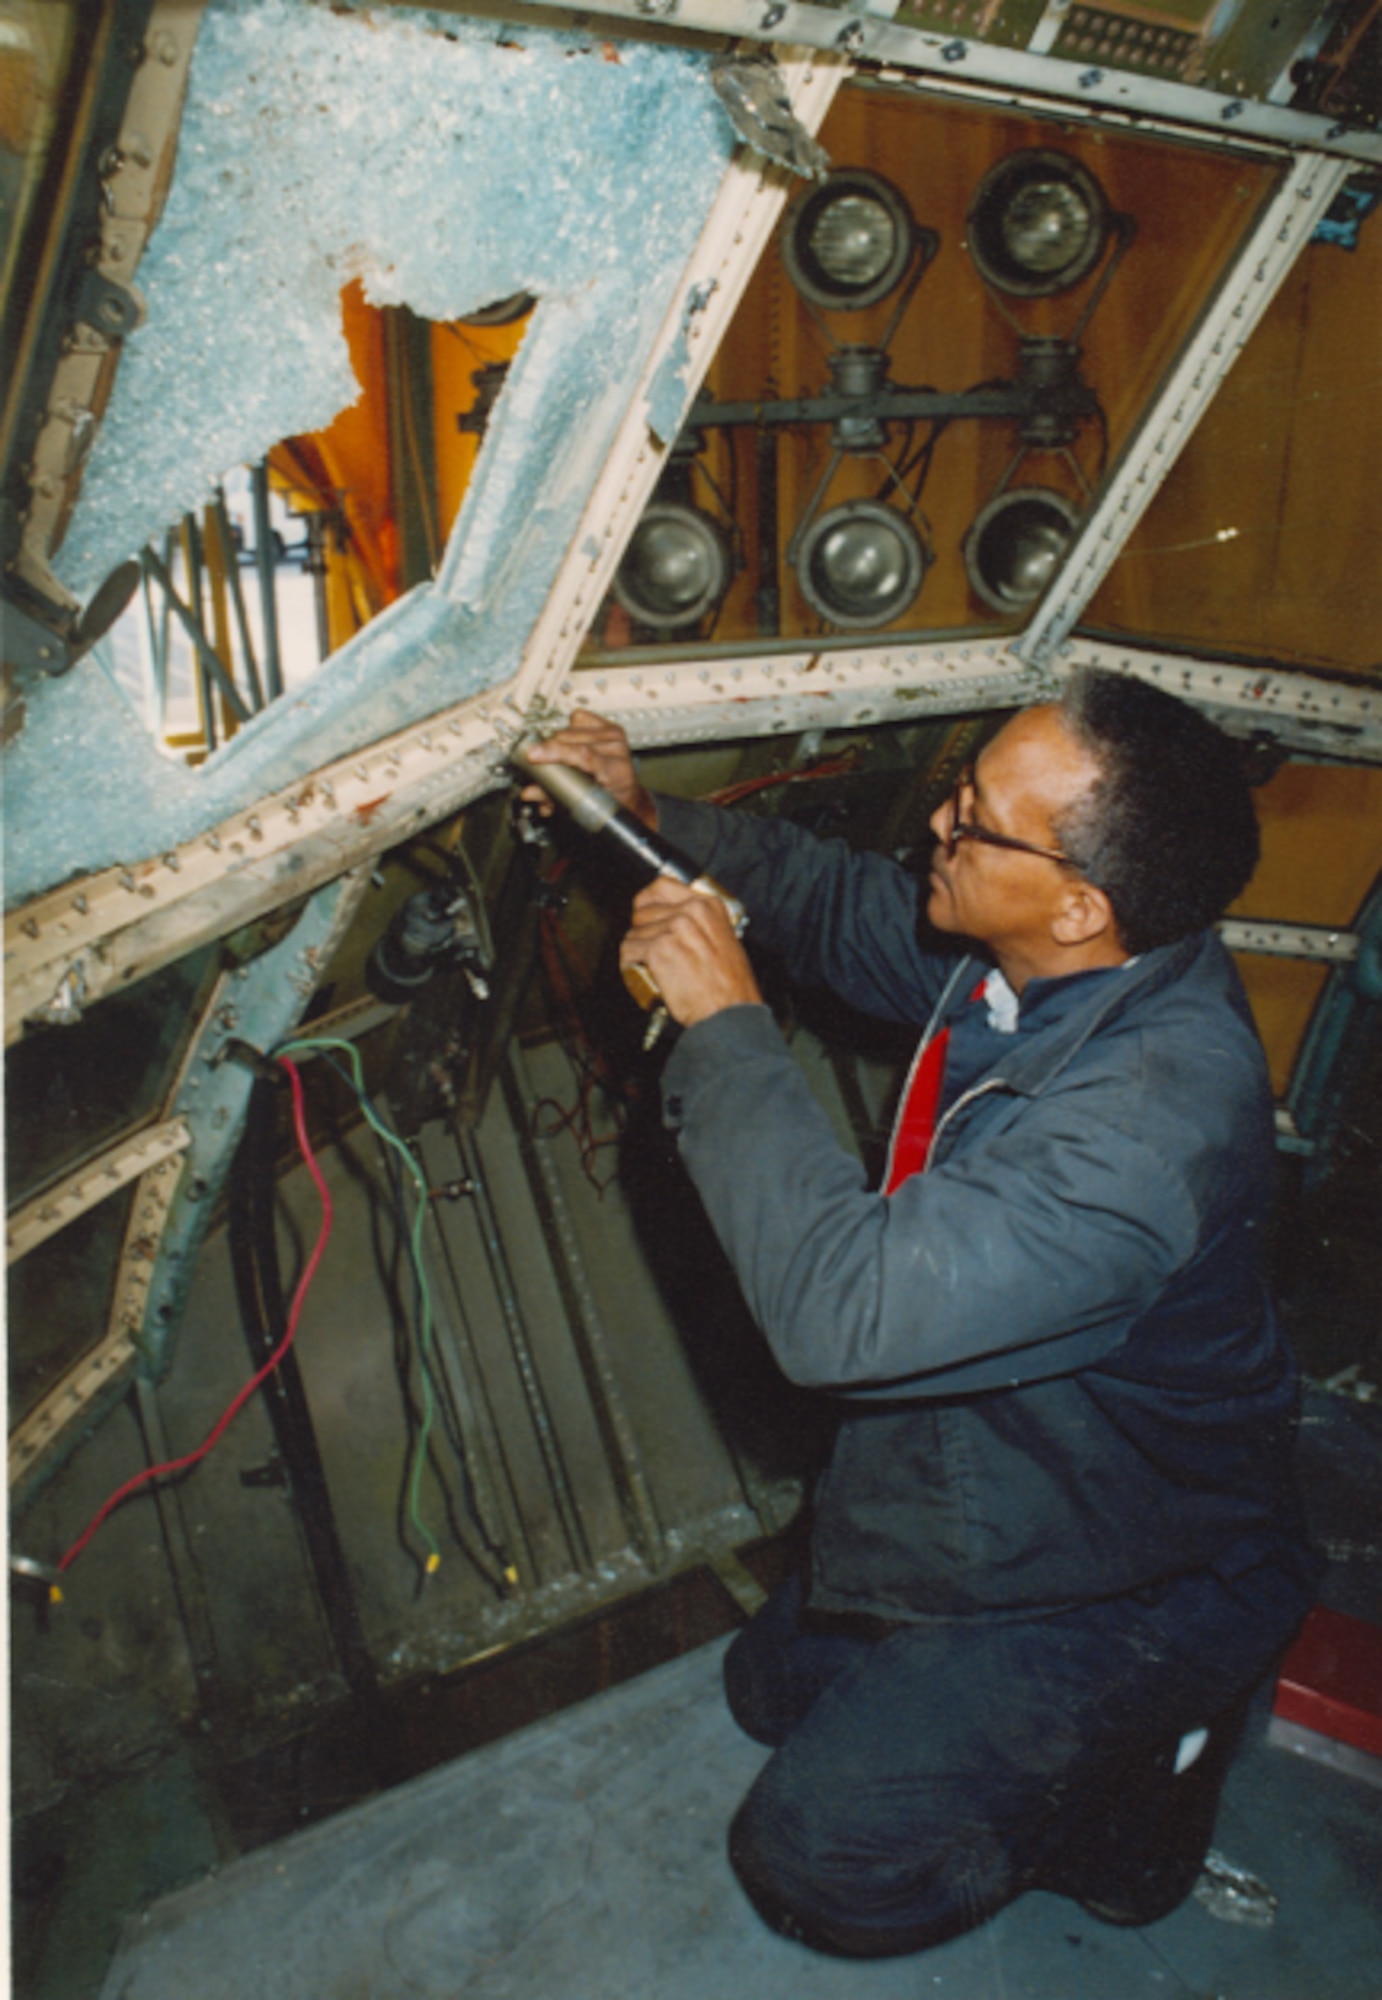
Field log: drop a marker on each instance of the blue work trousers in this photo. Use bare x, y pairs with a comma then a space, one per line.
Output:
927, 1773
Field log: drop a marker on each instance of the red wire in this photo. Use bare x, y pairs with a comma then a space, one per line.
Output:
233, 1409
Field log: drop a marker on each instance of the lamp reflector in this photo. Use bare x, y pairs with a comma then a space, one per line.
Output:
675, 568
848, 243
1016, 545
861, 564
1037, 223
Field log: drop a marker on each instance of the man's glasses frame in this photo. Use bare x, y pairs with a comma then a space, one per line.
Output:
961, 829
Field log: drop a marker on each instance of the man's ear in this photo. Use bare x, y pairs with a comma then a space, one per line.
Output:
1084, 916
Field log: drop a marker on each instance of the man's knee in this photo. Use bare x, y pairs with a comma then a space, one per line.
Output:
819, 1871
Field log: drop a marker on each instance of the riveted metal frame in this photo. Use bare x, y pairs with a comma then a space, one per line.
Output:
53, 1428
135, 174
47, 1213
64, 951
176, 1194
868, 35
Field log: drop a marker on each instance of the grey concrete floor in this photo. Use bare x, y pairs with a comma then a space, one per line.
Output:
584, 1859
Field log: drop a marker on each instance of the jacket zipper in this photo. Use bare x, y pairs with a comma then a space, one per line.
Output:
966, 1097
919, 1056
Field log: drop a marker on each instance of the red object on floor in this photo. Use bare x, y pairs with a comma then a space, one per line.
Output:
1331, 1680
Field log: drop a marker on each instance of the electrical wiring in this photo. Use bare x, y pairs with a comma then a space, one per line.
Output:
232, 1410
318, 1044
502, 1575
835, 766
583, 1052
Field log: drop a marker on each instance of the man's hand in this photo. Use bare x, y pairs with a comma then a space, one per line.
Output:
600, 748
686, 940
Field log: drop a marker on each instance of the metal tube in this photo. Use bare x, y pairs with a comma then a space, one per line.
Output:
586, 1320
548, 1443
268, 590
206, 652
495, 1500
237, 597
192, 617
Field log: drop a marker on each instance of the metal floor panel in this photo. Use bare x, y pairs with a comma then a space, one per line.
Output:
585, 1858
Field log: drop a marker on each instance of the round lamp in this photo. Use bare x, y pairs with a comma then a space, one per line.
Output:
1037, 223
1016, 545
861, 564
848, 243
675, 568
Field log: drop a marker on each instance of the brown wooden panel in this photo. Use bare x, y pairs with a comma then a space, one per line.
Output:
1284, 469
1321, 853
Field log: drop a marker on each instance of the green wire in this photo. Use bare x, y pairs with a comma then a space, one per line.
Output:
306, 1044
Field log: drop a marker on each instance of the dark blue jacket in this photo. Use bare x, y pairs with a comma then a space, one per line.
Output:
1064, 1379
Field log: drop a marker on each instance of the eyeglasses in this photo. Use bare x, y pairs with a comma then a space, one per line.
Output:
966, 830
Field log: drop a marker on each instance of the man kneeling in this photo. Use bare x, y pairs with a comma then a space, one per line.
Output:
1057, 1543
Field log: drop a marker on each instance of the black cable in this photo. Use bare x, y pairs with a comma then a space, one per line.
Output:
259, 1291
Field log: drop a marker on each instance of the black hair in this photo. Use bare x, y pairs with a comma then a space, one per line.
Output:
1168, 830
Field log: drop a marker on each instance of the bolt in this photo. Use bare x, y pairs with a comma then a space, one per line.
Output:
1090, 78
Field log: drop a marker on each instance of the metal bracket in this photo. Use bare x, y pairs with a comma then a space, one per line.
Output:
112, 308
